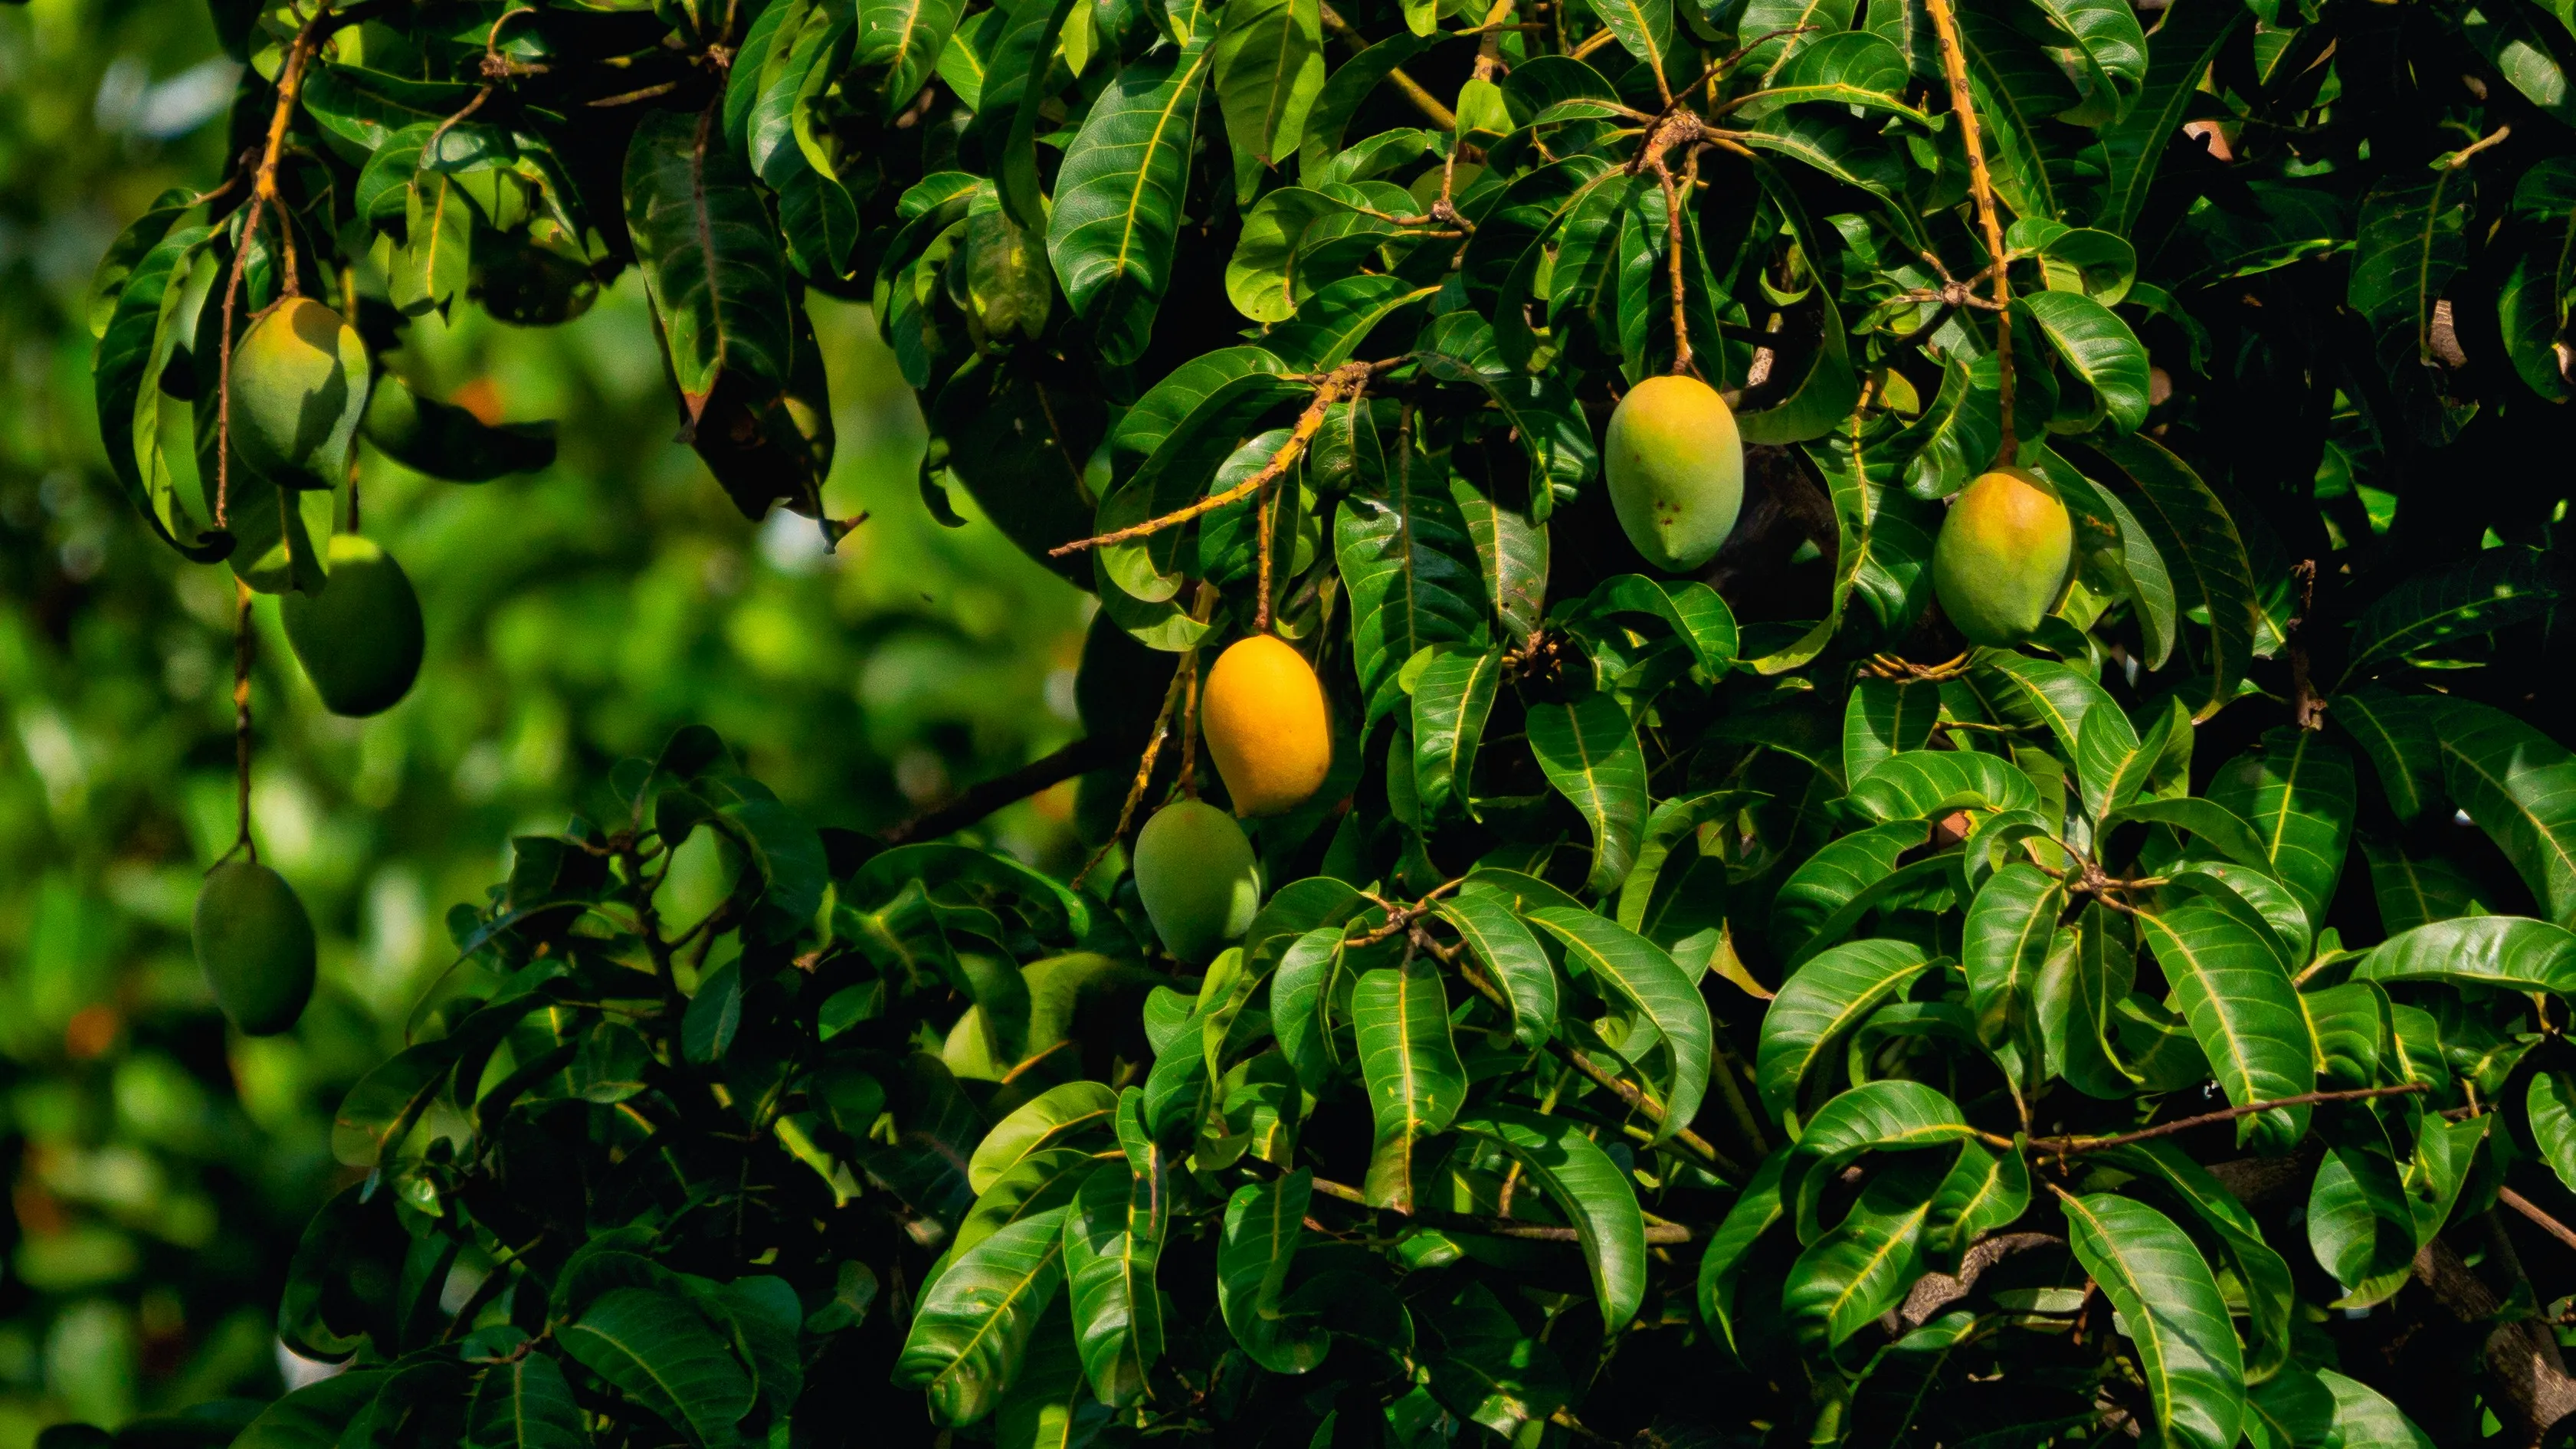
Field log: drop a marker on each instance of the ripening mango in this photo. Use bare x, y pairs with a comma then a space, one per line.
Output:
255, 944
1676, 469
1266, 726
1195, 873
2003, 557
298, 388
359, 639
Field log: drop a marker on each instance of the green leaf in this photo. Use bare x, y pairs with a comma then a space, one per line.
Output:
1340, 98
2011, 927
1113, 1240
904, 37
1297, 241
2210, 823
2243, 1011
2291, 1410
1411, 572
710, 258
1044, 1407
445, 441
1645, 28
313, 1416
2113, 765
1814, 906
1851, 68
1014, 89
1056, 1117
2199, 542
1269, 66
1264, 1224
2043, 694
2415, 890
1038, 1183
1451, 700
2110, 46
972, 1326
1588, 751
141, 334
2515, 953
2364, 1420
2501, 586
526, 1404
1118, 197
2396, 731
1923, 784
1513, 554
1755, 1212
1818, 1005
656, 1348
2270, 1294
1646, 977
1459, 347
2412, 239
2186, 42
1885, 717
1592, 1192
2296, 791
1415, 1081
1864, 1265
2520, 787
2169, 1301
2098, 346
1485, 920
2139, 568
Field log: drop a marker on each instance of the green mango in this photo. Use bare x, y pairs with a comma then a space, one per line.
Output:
1675, 464
1196, 875
2004, 556
359, 639
298, 389
255, 944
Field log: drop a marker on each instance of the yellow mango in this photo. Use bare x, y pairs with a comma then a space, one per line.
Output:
1675, 466
2003, 558
1266, 726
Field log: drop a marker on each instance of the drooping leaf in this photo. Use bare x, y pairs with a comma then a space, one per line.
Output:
709, 257
1819, 1005
971, 1328
1118, 197
1589, 752
1646, 977
1589, 1189
1410, 1065
2520, 787
2168, 1298
1264, 1226
2243, 1011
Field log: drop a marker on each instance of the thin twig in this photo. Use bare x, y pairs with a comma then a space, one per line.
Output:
977, 801
1441, 117
1981, 185
1144, 774
2528, 1209
242, 843
1346, 382
2061, 1146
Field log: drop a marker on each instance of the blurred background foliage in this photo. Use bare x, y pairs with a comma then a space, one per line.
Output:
159, 1168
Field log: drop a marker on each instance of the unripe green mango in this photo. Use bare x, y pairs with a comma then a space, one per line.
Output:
2003, 557
1196, 875
298, 389
255, 944
359, 639
1676, 469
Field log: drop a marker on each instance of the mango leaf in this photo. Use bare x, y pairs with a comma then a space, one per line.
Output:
1820, 892
1922, 784
2515, 953
1340, 99
2011, 927
2243, 1011
1034, 1186
2410, 242
1513, 553
1817, 1007
2043, 694
2213, 825
1646, 977
1451, 700
1264, 1224
1589, 1188
972, 1326
526, 1404
1756, 1211
2186, 41
2199, 542
1411, 572
2501, 586
1851, 68
2520, 787
2396, 732
1056, 1117
710, 258
2364, 1420
1269, 61
135, 347
1113, 1240
1645, 28
1884, 717
1410, 1066
1118, 197
903, 38
1485, 920
2097, 345
658, 1350
2264, 1275
1588, 751
1864, 1265
2169, 1301
2296, 791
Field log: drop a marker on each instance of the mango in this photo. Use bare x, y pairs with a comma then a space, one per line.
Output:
255, 945
1196, 875
1676, 469
298, 388
1263, 714
2003, 557
359, 639
1010, 285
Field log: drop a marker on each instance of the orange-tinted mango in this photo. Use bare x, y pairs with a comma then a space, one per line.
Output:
2003, 557
1266, 726
298, 388
1675, 465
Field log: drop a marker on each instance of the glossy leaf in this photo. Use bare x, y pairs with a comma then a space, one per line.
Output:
1819, 1005
2155, 1276
2243, 1011
1486, 921
1589, 1189
973, 1325
1644, 975
1588, 751
1410, 1066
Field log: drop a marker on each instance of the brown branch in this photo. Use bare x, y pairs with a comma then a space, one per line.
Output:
1144, 770
2547, 1224
1497, 1227
2061, 1146
1981, 185
983, 798
1346, 382
2529, 1378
